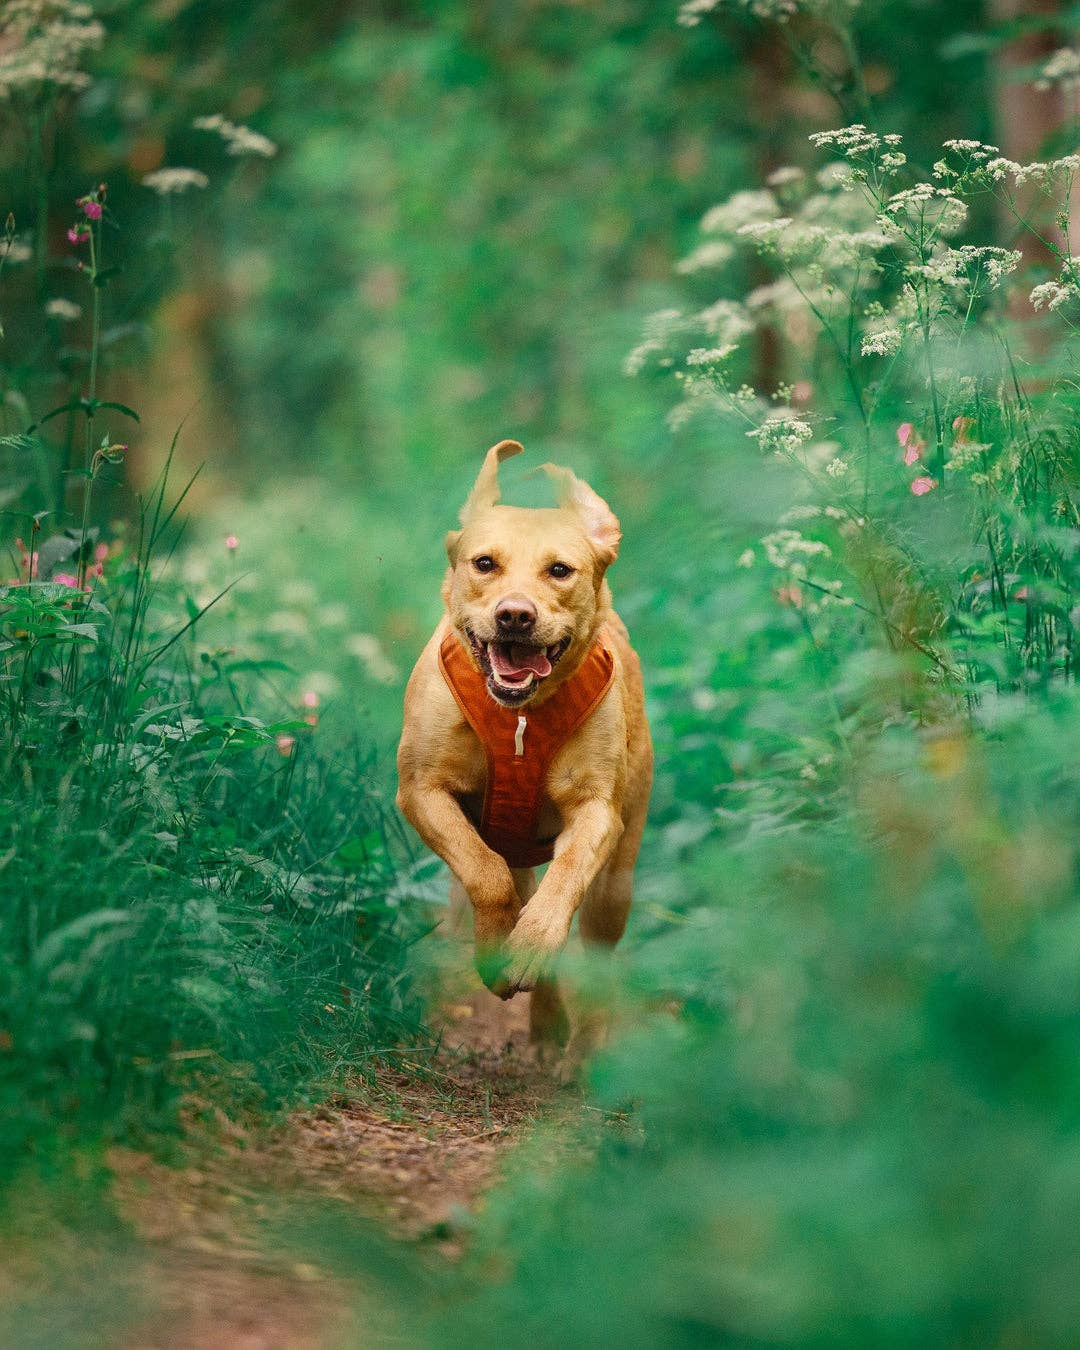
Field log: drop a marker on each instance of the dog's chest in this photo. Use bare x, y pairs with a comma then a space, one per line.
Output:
471, 787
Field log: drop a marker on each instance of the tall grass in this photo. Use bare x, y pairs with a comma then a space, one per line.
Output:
197, 885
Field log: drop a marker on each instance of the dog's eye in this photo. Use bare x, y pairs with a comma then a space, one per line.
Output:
484, 563
560, 570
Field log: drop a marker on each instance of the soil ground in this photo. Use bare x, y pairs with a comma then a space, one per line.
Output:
414, 1162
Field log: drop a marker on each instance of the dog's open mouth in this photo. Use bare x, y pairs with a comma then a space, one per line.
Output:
514, 670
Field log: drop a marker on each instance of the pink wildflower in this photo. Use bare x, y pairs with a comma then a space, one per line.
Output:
790, 595
66, 579
912, 454
78, 234
801, 392
285, 744
309, 698
232, 543
92, 208
921, 486
962, 425
101, 552
904, 432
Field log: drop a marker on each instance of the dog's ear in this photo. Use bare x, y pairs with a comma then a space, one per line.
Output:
453, 538
485, 491
600, 522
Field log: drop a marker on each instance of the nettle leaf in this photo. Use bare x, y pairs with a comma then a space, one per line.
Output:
56, 549
89, 406
120, 408
86, 631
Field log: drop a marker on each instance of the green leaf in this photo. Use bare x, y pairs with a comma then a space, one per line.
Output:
120, 408
102, 277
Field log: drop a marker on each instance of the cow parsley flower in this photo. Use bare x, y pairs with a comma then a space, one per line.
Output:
1053, 294
713, 253
787, 176
238, 140
725, 320
853, 142
166, 182
782, 433
742, 208
1062, 68
885, 342
66, 310
710, 356
43, 42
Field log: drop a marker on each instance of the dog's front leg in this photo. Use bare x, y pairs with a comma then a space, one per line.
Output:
543, 925
438, 819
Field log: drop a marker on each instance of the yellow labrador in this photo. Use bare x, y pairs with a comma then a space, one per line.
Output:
525, 737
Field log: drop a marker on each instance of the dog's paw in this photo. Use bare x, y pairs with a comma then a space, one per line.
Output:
539, 935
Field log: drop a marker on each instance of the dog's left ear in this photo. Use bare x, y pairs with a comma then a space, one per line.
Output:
453, 538
600, 522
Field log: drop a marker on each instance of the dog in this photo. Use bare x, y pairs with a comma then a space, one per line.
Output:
525, 738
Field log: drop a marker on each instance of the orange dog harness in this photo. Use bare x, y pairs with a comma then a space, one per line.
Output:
521, 745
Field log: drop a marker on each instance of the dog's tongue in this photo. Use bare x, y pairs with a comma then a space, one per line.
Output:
512, 658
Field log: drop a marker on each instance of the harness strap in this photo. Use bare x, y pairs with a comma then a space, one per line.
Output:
520, 745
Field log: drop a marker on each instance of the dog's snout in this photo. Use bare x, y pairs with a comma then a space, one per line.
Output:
515, 614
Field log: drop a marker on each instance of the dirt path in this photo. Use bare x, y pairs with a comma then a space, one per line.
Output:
415, 1159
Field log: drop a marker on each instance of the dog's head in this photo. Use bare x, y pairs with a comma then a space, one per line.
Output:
525, 588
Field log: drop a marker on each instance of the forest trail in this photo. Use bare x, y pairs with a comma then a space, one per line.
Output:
415, 1159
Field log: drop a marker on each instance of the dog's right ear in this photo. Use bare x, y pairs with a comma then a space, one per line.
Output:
453, 538
485, 491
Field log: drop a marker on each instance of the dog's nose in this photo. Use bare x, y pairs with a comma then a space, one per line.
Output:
515, 614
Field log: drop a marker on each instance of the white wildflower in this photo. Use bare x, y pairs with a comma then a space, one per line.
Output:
238, 140
853, 142
836, 468
691, 11
786, 176
926, 206
1053, 294
977, 150
67, 310
1001, 168
15, 251
789, 550
1062, 68
713, 253
885, 342
835, 177
1037, 171
710, 356
766, 234
725, 320
746, 558
782, 433
43, 42
742, 208
166, 181
658, 330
